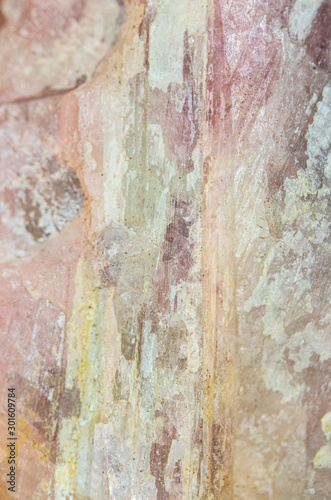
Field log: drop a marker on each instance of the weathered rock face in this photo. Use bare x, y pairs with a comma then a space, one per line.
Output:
52, 46
165, 253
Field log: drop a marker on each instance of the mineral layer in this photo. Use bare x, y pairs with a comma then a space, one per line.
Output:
165, 248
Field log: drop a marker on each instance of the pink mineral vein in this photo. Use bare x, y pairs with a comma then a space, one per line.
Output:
165, 249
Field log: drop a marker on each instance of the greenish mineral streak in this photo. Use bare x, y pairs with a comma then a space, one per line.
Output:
87, 326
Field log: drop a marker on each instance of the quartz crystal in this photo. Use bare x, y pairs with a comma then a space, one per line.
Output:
165, 249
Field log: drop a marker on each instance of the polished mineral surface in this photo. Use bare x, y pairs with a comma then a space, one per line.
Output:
165, 248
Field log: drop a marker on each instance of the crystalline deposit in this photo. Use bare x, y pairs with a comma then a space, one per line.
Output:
165, 250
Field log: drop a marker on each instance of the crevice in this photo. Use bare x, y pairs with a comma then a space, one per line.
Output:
46, 93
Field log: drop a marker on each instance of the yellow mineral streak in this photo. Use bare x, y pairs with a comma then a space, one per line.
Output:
322, 459
326, 424
83, 373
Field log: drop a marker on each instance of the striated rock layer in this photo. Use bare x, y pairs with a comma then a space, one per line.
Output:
165, 250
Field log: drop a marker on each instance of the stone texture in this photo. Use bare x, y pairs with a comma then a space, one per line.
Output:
166, 248
52, 46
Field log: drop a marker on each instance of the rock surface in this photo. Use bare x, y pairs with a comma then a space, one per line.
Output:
165, 250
